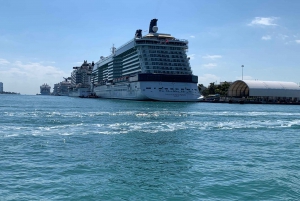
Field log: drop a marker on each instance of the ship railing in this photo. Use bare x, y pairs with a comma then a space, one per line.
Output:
125, 44
171, 40
164, 42
110, 56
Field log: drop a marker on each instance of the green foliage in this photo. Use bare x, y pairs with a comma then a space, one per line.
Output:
203, 90
224, 88
214, 89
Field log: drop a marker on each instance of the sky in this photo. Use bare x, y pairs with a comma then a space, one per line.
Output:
41, 41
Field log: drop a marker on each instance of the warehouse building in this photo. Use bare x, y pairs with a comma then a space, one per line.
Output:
269, 91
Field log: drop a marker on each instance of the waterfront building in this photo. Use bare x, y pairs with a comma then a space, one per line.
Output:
270, 91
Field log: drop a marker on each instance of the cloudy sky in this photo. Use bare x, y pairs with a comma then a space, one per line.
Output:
40, 41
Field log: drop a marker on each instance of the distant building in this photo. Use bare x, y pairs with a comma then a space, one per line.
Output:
1, 87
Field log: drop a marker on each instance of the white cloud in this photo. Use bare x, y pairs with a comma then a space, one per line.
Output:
209, 65
26, 78
191, 56
297, 41
263, 21
37, 69
283, 37
4, 62
267, 37
212, 57
192, 36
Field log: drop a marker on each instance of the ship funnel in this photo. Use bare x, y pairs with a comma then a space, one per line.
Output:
138, 33
153, 26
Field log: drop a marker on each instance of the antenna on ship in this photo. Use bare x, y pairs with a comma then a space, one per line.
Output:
66, 79
113, 49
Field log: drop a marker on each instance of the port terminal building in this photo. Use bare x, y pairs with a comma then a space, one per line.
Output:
267, 91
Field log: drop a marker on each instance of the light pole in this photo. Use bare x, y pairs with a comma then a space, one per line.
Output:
242, 71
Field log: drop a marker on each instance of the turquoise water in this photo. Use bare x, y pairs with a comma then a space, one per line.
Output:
62, 148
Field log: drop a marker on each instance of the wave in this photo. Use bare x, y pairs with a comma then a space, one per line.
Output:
147, 127
145, 114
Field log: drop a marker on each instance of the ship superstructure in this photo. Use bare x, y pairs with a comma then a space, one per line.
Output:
81, 80
150, 67
45, 89
62, 88
1, 87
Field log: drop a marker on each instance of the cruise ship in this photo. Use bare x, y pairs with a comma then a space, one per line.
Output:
150, 67
62, 88
45, 89
81, 80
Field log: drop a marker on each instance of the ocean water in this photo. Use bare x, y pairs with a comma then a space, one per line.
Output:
62, 148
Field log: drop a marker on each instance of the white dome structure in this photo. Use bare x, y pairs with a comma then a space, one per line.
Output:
255, 88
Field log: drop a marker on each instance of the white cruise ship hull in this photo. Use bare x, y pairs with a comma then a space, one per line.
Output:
80, 92
149, 90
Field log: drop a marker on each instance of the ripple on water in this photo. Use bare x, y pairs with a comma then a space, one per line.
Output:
126, 150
